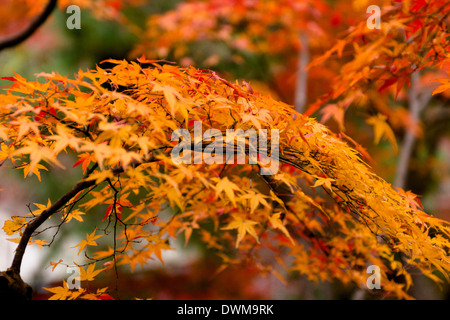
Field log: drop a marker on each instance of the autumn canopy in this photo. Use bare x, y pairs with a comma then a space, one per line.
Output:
323, 213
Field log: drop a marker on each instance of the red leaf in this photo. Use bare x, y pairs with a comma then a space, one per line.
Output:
417, 5
108, 212
9, 78
119, 212
52, 111
387, 83
413, 27
39, 116
401, 82
80, 161
105, 296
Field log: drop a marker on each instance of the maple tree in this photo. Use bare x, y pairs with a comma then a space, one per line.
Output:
324, 213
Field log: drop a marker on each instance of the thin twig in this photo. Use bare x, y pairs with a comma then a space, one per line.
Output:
34, 25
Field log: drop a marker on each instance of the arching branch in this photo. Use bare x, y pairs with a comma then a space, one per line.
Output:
55, 207
33, 225
34, 25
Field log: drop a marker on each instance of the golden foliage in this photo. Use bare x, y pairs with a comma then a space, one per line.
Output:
121, 121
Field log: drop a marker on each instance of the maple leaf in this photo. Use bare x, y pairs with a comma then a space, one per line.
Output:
90, 241
27, 167
89, 273
324, 182
109, 210
156, 245
63, 139
39, 242
276, 222
225, 185
99, 295
14, 240
381, 128
105, 296
85, 159
25, 126
60, 293
171, 95
12, 226
101, 176
55, 264
333, 110
387, 84
444, 86
9, 78
41, 207
75, 214
38, 153
255, 200
101, 151
243, 227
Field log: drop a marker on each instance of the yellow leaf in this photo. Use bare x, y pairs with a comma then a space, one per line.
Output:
243, 226
12, 226
443, 87
37, 154
75, 214
25, 126
90, 241
255, 200
276, 222
323, 182
89, 273
101, 176
41, 207
381, 128
27, 167
229, 188
40, 243
60, 293
171, 95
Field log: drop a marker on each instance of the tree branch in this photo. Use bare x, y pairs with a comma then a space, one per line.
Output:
416, 105
34, 25
302, 75
34, 224
39, 220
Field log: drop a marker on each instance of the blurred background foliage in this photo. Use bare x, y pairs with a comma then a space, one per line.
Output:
192, 273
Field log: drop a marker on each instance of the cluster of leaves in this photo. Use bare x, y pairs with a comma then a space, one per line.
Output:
267, 27
255, 40
368, 68
412, 38
65, 293
119, 122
